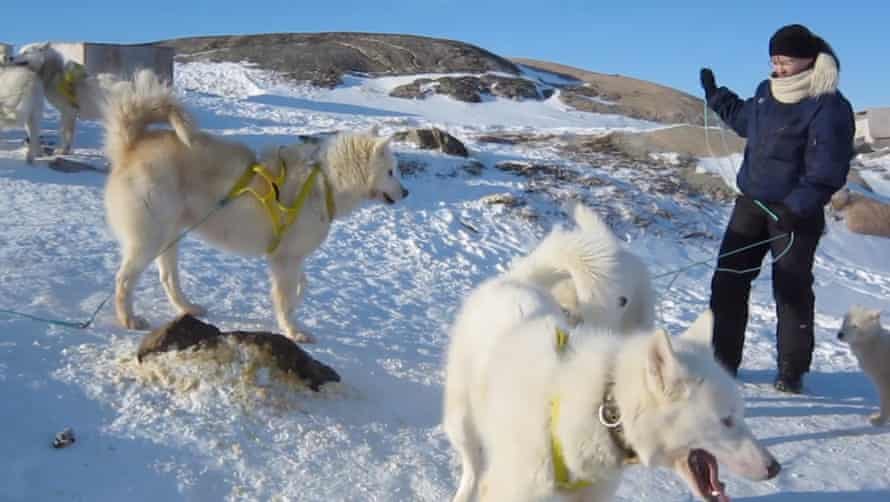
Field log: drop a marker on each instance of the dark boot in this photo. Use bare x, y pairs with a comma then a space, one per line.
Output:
789, 380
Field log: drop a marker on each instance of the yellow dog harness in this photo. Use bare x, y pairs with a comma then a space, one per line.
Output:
560, 469
280, 215
68, 83
609, 417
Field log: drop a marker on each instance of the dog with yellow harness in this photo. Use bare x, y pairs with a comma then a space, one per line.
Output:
166, 182
540, 411
68, 87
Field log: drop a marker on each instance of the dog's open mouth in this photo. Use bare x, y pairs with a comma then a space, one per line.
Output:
704, 470
388, 199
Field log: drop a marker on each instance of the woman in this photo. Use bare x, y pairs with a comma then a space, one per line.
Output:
799, 131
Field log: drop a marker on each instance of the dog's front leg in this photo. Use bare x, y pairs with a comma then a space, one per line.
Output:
32, 129
288, 287
883, 387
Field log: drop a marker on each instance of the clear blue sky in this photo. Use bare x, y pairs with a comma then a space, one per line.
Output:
665, 42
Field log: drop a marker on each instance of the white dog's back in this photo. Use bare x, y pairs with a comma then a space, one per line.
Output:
21, 93
21, 104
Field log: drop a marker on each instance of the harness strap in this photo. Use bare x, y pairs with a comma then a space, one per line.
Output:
280, 215
609, 416
68, 84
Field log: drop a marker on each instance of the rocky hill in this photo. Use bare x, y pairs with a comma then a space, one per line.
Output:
323, 58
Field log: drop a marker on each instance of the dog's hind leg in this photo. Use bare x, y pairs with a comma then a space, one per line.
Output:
32, 128
135, 260
465, 440
288, 288
883, 387
169, 274
69, 119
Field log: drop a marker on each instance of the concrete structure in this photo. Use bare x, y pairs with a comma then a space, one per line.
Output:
5, 52
873, 126
121, 60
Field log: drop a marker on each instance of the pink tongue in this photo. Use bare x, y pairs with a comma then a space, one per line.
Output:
716, 486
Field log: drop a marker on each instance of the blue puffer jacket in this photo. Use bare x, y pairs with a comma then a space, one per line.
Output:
797, 154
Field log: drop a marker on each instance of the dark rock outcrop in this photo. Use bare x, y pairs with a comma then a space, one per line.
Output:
433, 139
323, 58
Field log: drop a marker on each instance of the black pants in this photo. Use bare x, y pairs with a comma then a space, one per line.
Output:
792, 286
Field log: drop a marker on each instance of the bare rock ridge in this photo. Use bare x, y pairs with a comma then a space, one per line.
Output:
323, 58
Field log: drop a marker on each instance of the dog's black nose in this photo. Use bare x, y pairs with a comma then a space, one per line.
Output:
773, 469
840, 335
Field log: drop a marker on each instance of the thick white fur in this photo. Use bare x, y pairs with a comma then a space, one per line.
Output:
91, 91
163, 182
21, 104
503, 371
591, 274
870, 343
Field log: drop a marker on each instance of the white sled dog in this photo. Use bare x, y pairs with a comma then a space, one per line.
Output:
71, 91
21, 103
163, 182
592, 276
543, 413
870, 343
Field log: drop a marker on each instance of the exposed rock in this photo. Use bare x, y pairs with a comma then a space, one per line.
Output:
513, 88
469, 89
410, 167
189, 333
686, 140
323, 58
601, 93
503, 199
473, 168
433, 139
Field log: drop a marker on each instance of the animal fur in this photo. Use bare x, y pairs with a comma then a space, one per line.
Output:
870, 343
862, 214
163, 182
89, 92
21, 104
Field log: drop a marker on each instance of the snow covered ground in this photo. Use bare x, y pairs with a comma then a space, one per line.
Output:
382, 291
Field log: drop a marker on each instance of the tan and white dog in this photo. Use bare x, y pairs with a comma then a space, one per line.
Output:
163, 182
73, 92
870, 343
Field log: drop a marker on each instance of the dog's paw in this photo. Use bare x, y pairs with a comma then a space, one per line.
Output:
137, 323
877, 419
301, 337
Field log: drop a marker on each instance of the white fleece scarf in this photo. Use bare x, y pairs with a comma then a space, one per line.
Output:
821, 79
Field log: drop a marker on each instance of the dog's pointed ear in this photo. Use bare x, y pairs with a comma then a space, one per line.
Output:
661, 362
702, 330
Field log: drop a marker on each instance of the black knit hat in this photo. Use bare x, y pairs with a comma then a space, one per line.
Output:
796, 41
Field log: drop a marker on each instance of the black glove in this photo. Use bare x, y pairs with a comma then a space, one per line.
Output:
787, 219
708, 82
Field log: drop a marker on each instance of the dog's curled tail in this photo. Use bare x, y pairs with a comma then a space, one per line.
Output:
134, 105
589, 257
